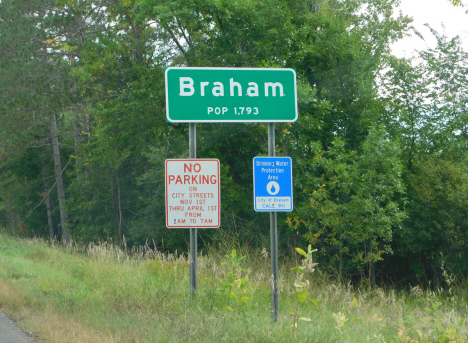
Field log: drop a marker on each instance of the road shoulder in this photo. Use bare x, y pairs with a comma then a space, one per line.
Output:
10, 333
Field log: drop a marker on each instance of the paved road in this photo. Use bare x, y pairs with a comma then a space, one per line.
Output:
10, 333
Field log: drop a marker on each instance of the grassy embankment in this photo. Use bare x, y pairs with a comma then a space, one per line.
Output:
104, 295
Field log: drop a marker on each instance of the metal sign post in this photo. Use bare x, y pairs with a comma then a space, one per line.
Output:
273, 238
193, 199
273, 192
265, 95
193, 231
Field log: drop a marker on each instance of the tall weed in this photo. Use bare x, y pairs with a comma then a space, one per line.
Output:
111, 294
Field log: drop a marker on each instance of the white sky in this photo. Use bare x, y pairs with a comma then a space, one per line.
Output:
433, 12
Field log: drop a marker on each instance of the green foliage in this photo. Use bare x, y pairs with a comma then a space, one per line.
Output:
456, 2
234, 294
428, 107
340, 320
379, 149
351, 202
100, 293
301, 286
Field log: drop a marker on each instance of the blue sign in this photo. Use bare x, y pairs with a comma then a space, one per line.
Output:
273, 184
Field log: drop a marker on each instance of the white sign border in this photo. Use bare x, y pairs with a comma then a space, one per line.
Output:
219, 193
292, 186
231, 121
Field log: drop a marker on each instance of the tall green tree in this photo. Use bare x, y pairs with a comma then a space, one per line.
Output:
426, 109
352, 208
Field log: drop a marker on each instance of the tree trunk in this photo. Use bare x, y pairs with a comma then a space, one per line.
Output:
58, 176
85, 123
119, 223
76, 132
78, 116
76, 126
48, 203
341, 257
116, 203
371, 268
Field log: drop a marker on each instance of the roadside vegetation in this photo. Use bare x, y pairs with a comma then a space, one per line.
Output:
100, 293
379, 156
379, 150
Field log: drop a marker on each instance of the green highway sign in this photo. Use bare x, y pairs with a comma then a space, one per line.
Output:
195, 95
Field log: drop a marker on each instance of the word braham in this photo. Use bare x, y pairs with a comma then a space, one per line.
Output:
187, 88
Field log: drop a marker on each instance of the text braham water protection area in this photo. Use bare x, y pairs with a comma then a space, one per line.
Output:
273, 184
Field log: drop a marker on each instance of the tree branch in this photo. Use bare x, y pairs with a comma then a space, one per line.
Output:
45, 197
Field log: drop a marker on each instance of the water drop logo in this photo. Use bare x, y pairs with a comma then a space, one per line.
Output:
273, 187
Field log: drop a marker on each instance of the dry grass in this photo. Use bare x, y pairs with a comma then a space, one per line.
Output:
56, 328
100, 293
10, 297
46, 325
